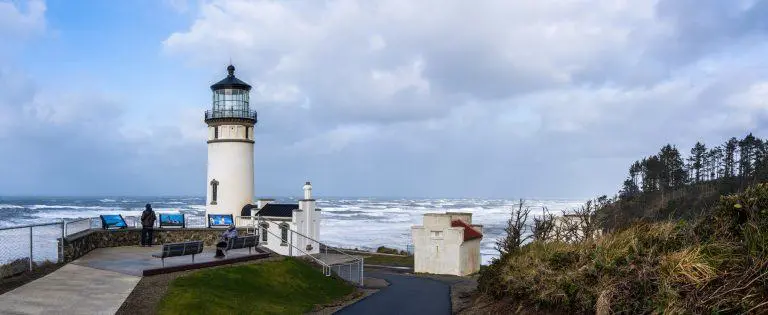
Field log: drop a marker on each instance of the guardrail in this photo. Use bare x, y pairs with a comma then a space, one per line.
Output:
28, 244
344, 265
23, 246
327, 269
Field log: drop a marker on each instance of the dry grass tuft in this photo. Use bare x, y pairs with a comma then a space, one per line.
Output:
687, 266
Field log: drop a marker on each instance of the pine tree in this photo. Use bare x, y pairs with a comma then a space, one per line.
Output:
730, 157
716, 156
672, 173
697, 158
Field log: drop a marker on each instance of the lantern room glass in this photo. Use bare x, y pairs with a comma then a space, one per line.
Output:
230, 101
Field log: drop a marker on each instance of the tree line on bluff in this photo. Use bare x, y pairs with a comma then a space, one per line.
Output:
668, 186
682, 236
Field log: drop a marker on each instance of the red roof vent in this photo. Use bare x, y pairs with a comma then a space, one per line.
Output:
469, 232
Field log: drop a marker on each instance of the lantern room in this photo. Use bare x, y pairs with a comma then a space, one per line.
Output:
231, 99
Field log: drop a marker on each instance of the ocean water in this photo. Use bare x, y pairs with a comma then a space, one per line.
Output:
364, 223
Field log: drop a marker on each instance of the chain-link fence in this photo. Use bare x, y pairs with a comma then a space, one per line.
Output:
410, 249
24, 247
351, 271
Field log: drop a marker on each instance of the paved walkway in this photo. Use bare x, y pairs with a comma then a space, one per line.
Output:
405, 295
96, 283
72, 289
133, 260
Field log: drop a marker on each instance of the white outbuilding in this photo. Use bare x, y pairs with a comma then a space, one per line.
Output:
288, 229
447, 243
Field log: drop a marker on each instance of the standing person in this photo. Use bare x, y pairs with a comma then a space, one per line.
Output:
147, 222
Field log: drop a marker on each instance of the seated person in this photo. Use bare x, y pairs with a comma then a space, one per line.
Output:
230, 233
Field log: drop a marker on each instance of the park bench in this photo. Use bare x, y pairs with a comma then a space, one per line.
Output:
239, 242
180, 249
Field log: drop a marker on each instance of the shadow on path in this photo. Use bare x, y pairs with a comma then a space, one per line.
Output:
405, 295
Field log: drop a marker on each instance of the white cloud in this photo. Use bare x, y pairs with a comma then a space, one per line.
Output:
376, 42
335, 140
755, 97
464, 94
493, 48
180, 6
389, 82
17, 21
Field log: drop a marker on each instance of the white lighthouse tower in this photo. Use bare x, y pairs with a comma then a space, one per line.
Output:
230, 123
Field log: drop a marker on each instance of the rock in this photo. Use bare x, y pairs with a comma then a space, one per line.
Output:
14, 268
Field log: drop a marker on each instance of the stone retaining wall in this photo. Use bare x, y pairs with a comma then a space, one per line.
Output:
77, 245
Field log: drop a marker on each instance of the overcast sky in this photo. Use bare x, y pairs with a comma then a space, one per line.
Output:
428, 98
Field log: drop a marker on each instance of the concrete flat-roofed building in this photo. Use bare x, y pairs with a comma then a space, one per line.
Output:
278, 219
447, 243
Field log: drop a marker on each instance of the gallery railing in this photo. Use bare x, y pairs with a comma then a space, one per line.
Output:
230, 113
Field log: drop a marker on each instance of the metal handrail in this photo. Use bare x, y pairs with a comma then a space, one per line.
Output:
28, 226
322, 263
359, 260
67, 223
318, 242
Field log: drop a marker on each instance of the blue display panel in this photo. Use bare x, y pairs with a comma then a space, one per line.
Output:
113, 221
171, 219
215, 220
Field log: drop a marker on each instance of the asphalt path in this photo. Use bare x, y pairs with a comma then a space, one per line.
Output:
405, 295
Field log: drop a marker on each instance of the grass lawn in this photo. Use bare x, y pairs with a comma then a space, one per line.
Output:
398, 261
282, 287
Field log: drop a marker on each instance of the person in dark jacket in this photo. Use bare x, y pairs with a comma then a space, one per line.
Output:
147, 222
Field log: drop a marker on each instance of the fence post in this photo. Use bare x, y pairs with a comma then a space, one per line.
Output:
63, 233
290, 243
362, 265
30, 249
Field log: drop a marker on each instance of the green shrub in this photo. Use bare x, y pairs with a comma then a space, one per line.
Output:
393, 251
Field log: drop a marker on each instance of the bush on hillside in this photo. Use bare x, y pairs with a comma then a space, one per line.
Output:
718, 263
393, 251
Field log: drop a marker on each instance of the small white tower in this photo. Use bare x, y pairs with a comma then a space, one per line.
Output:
307, 190
230, 123
309, 221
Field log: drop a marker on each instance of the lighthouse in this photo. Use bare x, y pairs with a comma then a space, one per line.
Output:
230, 121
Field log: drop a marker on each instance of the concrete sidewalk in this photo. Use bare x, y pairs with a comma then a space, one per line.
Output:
72, 289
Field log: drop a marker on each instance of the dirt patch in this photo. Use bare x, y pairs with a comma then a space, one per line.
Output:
10, 283
147, 294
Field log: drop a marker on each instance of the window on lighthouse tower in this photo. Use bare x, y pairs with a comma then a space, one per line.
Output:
214, 191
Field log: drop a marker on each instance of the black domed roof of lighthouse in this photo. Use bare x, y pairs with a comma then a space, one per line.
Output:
231, 82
